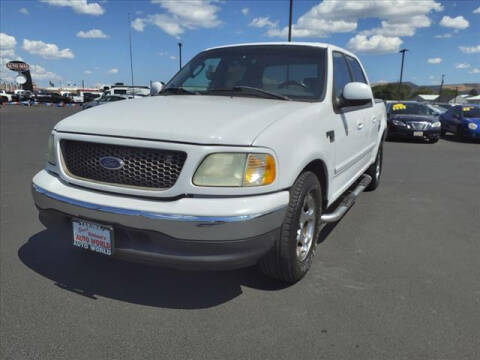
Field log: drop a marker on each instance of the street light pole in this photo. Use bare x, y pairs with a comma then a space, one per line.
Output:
290, 22
441, 85
180, 54
403, 51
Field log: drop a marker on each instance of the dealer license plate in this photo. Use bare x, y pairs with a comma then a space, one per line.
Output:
91, 236
418, 133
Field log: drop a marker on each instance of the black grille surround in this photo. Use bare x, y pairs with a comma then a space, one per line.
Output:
143, 167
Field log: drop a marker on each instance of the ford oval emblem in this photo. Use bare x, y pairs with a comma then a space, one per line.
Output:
111, 163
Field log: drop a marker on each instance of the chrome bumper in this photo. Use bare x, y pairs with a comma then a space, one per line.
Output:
249, 216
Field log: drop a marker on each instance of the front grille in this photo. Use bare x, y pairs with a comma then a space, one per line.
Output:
142, 167
419, 125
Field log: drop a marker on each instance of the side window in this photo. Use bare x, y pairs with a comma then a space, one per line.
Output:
357, 72
202, 75
341, 73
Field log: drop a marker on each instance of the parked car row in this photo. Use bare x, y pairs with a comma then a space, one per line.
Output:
416, 120
40, 96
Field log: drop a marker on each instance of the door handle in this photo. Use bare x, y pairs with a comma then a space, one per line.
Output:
360, 125
374, 119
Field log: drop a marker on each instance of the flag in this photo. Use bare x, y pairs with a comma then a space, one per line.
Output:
51, 84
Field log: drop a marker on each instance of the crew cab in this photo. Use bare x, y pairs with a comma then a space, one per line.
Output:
239, 160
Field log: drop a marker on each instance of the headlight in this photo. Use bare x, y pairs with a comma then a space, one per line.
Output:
472, 126
398, 123
51, 150
436, 124
235, 170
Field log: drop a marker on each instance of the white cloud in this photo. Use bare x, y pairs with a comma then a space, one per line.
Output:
24, 11
261, 22
180, 16
7, 45
436, 60
46, 51
79, 6
245, 11
462, 66
87, 72
477, 10
39, 73
470, 49
171, 57
92, 34
376, 44
113, 71
443, 36
475, 71
458, 22
399, 18
431, 77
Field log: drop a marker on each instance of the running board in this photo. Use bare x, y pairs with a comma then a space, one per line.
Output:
348, 201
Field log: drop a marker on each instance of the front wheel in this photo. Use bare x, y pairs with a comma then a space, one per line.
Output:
375, 170
291, 256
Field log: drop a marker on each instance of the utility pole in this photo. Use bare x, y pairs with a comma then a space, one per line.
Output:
441, 85
83, 85
456, 92
403, 51
180, 54
290, 22
131, 57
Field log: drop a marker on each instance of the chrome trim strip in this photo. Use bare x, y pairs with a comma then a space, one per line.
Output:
151, 215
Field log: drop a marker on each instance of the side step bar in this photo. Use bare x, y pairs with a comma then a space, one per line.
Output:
348, 201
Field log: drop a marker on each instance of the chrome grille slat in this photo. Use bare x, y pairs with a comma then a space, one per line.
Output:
419, 125
143, 167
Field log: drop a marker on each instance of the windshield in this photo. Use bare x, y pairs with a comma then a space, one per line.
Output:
410, 109
296, 72
471, 111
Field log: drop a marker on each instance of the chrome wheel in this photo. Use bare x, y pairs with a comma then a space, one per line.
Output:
306, 227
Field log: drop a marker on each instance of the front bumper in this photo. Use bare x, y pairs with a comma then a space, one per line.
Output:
403, 132
208, 233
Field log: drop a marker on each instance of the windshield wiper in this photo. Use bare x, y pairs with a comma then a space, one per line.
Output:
177, 91
252, 90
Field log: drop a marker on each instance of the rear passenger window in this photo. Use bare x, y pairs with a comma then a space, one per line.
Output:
357, 72
341, 73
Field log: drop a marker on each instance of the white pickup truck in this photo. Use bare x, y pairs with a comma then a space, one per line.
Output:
239, 160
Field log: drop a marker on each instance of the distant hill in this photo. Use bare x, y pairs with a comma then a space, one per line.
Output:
462, 88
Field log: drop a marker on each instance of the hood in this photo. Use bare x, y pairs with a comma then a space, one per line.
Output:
201, 119
408, 118
475, 120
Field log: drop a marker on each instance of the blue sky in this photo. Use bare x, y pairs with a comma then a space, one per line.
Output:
66, 41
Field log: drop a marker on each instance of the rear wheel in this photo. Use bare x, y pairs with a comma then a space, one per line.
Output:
375, 170
291, 256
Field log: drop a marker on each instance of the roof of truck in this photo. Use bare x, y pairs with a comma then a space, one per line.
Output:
313, 44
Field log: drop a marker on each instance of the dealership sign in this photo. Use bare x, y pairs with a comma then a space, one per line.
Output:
19, 66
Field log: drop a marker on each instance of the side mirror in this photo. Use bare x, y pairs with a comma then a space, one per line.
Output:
355, 94
157, 86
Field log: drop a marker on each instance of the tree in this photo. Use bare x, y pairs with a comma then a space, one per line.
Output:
390, 91
473, 92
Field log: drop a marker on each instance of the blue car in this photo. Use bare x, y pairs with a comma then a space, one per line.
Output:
462, 120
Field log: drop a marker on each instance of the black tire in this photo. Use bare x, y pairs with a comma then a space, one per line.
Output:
372, 170
433, 141
282, 261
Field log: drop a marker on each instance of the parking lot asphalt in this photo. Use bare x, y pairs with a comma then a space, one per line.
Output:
397, 278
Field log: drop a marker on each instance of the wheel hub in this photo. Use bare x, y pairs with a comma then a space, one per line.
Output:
306, 227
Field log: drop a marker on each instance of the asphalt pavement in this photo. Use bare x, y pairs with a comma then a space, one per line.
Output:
397, 278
